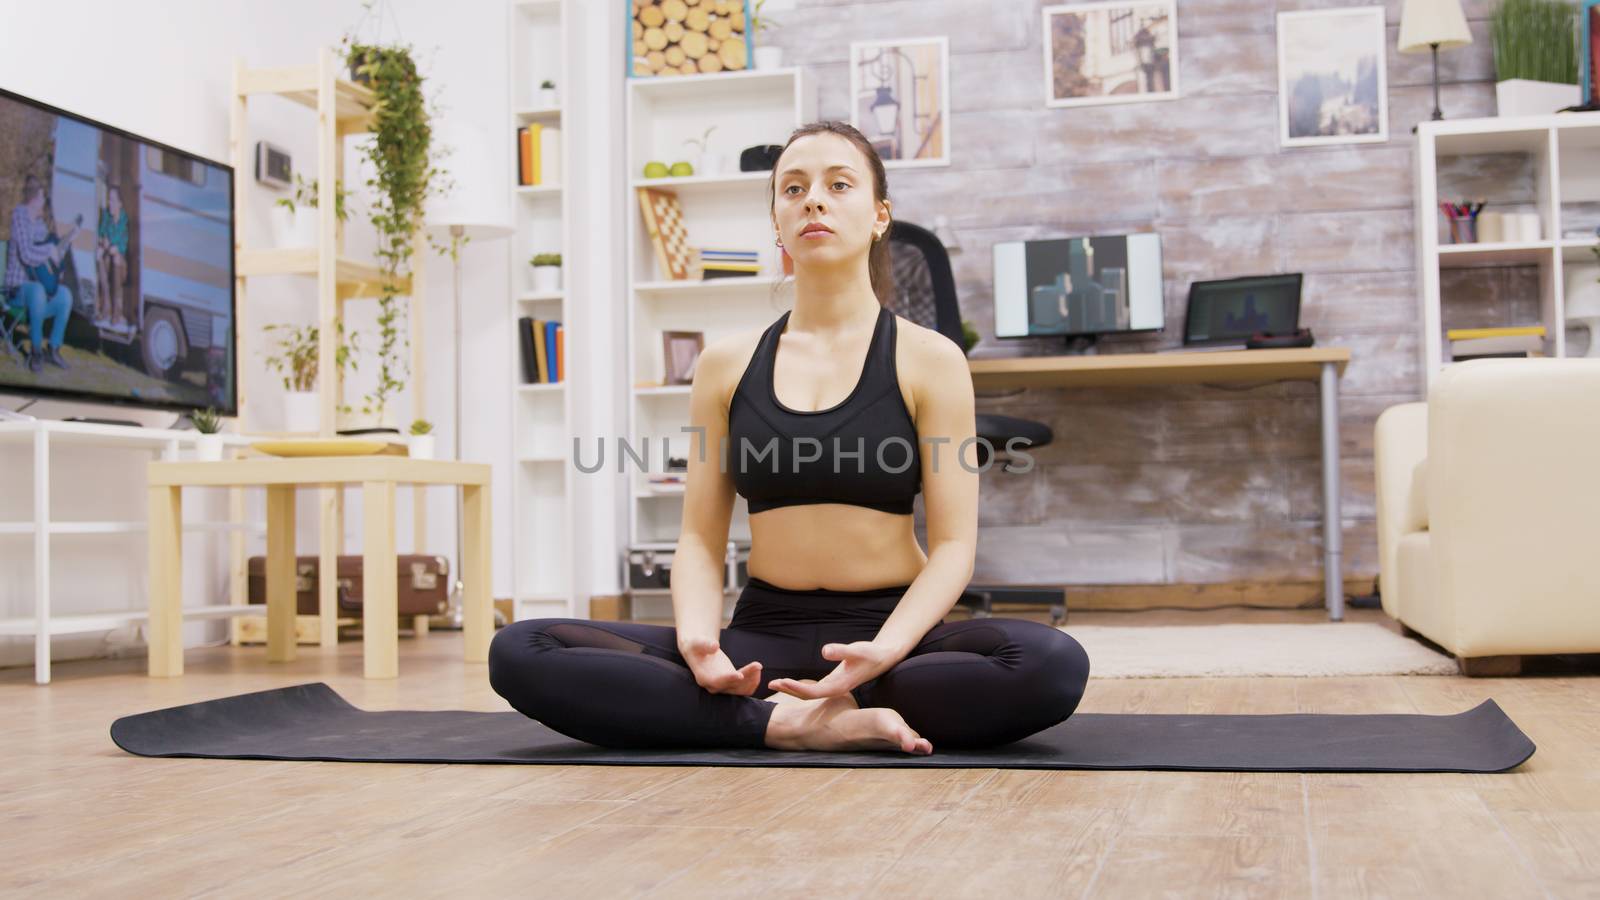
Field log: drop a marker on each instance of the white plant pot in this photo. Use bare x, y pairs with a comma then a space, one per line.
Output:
208, 447
548, 98
293, 229
769, 57
355, 418
546, 279
421, 446
301, 411
1526, 97
711, 163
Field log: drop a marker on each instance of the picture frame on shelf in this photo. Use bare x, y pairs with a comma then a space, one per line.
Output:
900, 99
674, 39
680, 351
1123, 51
1323, 48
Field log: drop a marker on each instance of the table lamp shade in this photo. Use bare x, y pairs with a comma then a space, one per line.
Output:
476, 200
1424, 23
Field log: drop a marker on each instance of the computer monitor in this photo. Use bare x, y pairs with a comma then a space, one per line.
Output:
1078, 287
1229, 311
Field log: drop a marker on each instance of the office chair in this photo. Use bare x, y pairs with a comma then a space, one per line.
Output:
925, 293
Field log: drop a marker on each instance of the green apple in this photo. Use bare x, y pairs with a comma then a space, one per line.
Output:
681, 169
655, 169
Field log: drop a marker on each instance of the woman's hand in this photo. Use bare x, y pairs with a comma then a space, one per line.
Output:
859, 662
714, 671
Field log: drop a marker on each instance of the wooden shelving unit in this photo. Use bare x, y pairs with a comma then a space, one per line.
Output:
542, 518
343, 109
721, 209
1558, 158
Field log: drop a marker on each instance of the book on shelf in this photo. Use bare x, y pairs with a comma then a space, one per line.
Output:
1521, 344
538, 154
543, 343
1456, 334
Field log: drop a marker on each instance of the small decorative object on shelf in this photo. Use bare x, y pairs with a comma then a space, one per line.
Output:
208, 446
546, 272
766, 57
969, 336
421, 443
710, 160
681, 350
1464, 221
669, 234
294, 220
547, 94
674, 38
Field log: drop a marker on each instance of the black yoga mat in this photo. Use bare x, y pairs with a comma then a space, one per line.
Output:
312, 722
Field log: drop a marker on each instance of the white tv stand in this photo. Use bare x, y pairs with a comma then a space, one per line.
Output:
42, 433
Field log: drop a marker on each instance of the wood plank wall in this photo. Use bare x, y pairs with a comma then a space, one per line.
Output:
1185, 484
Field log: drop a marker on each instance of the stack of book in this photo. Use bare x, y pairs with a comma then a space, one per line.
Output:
1481, 343
716, 263
538, 154
544, 350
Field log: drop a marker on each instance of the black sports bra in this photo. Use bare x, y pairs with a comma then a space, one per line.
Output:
863, 451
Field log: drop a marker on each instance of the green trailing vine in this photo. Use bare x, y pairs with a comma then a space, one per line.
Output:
406, 174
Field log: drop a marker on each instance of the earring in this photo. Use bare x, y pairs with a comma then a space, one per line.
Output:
778, 241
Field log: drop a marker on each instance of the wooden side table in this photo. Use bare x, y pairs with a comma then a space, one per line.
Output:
377, 476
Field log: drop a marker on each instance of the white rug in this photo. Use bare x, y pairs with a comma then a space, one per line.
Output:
1227, 651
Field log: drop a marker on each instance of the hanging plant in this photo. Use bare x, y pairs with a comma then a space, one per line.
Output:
405, 175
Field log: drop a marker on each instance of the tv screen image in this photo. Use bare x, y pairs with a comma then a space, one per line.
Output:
1078, 286
119, 265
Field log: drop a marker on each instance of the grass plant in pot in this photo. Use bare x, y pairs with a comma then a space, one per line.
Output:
421, 443
546, 272
208, 446
1535, 56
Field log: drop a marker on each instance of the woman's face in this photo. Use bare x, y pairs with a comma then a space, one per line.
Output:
116, 201
823, 178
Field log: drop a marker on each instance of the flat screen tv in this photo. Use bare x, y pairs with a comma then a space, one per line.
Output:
118, 265
1078, 287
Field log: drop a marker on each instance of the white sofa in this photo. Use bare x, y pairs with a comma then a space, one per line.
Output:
1488, 505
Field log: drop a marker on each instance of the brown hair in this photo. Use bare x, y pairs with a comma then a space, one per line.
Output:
878, 268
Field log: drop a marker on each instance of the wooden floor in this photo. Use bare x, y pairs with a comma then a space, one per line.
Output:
80, 817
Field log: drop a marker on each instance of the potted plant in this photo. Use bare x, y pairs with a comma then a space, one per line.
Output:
547, 94
421, 445
404, 175
1535, 57
294, 356
969, 336
766, 56
293, 222
546, 272
710, 160
208, 446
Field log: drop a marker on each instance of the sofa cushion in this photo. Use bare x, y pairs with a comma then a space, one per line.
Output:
1417, 499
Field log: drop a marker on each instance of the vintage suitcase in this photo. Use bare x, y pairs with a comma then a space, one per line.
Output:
647, 567
424, 584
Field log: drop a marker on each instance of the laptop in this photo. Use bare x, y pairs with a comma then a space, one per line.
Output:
1223, 314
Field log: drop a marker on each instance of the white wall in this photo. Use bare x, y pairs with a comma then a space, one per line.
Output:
163, 71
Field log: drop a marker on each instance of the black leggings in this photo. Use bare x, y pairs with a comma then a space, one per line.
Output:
970, 683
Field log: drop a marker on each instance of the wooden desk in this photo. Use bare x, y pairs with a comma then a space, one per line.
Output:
1323, 365
378, 476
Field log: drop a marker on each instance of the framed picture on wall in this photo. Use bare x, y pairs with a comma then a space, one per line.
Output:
676, 38
681, 350
1117, 52
900, 99
1332, 84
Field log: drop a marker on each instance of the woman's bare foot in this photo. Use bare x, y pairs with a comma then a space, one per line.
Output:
836, 723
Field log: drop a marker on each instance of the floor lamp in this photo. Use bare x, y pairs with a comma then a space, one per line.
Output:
460, 231
471, 212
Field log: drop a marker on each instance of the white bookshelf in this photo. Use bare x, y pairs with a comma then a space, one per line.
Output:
539, 33
1561, 185
725, 209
